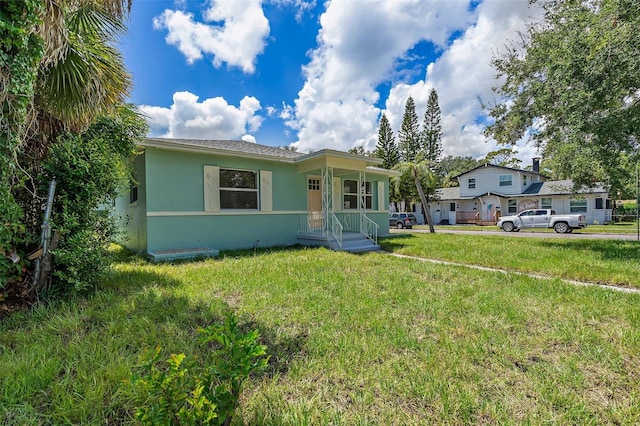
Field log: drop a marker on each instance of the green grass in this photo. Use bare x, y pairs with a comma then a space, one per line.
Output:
368, 339
612, 262
611, 228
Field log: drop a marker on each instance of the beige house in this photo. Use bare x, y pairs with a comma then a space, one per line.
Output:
488, 192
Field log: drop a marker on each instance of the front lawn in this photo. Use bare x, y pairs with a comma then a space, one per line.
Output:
353, 339
612, 262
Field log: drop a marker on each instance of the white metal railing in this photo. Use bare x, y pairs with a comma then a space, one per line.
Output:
312, 223
349, 221
336, 228
369, 228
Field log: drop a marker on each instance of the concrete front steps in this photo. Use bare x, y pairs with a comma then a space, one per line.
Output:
352, 242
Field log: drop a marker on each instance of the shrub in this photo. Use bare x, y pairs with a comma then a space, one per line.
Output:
203, 391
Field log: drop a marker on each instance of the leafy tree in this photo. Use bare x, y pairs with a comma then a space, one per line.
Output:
431, 137
423, 178
572, 87
79, 75
409, 134
502, 157
359, 150
451, 166
386, 149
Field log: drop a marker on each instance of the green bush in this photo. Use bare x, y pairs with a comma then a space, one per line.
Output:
199, 390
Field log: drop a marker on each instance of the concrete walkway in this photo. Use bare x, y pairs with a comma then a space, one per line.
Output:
503, 271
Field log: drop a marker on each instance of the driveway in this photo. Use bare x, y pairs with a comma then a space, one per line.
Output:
526, 234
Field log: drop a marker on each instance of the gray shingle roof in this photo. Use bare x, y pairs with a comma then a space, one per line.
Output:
237, 146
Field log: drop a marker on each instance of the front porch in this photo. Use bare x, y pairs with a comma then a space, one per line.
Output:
352, 232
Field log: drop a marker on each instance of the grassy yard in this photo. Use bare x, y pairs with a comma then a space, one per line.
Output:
367, 339
613, 262
611, 228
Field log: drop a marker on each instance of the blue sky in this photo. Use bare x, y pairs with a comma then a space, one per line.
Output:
317, 74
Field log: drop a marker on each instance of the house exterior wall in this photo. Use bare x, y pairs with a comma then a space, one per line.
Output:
173, 214
134, 215
487, 179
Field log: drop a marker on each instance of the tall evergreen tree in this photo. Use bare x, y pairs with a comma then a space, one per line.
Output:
431, 136
386, 149
409, 134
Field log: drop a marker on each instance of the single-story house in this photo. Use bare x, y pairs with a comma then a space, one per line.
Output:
487, 192
195, 197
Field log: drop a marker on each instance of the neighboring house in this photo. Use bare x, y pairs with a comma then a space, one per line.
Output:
194, 197
488, 192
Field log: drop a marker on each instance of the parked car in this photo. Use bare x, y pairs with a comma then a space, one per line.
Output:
402, 220
543, 218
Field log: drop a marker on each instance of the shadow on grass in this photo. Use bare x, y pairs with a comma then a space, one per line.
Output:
395, 242
112, 330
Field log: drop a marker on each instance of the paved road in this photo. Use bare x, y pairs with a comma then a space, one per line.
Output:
528, 234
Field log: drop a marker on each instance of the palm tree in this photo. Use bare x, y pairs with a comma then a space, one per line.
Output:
421, 173
81, 73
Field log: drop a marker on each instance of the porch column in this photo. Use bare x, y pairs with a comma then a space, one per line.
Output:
327, 195
362, 195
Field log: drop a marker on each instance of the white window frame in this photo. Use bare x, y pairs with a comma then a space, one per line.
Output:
368, 195
578, 206
512, 206
502, 180
545, 205
255, 190
471, 183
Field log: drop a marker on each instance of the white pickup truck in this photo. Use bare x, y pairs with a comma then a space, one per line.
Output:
542, 218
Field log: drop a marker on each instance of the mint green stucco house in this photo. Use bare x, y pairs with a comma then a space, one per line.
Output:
195, 197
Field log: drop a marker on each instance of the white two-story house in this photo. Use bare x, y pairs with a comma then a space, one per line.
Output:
488, 192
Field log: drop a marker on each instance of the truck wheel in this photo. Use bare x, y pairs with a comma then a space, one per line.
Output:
561, 227
399, 225
507, 227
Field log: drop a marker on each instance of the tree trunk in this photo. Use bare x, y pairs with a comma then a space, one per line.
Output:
423, 198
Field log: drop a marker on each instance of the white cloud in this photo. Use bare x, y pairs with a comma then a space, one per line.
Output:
212, 118
336, 106
300, 6
463, 77
234, 32
358, 47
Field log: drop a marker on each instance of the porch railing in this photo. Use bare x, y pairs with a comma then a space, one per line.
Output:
336, 228
337, 223
369, 228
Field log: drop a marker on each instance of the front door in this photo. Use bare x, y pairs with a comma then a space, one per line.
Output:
314, 202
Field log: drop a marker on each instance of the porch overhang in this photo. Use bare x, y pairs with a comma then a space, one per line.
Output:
340, 162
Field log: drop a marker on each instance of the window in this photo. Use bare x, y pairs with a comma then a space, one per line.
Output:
545, 203
512, 206
350, 194
599, 203
314, 184
452, 207
505, 180
578, 206
238, 189
524, 180
133, 194
472, 183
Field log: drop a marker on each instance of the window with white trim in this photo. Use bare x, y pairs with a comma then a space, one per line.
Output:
471, 183
578, 206
524, 180
350, 195
238, 189
512, 206
545, 203
505, 180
